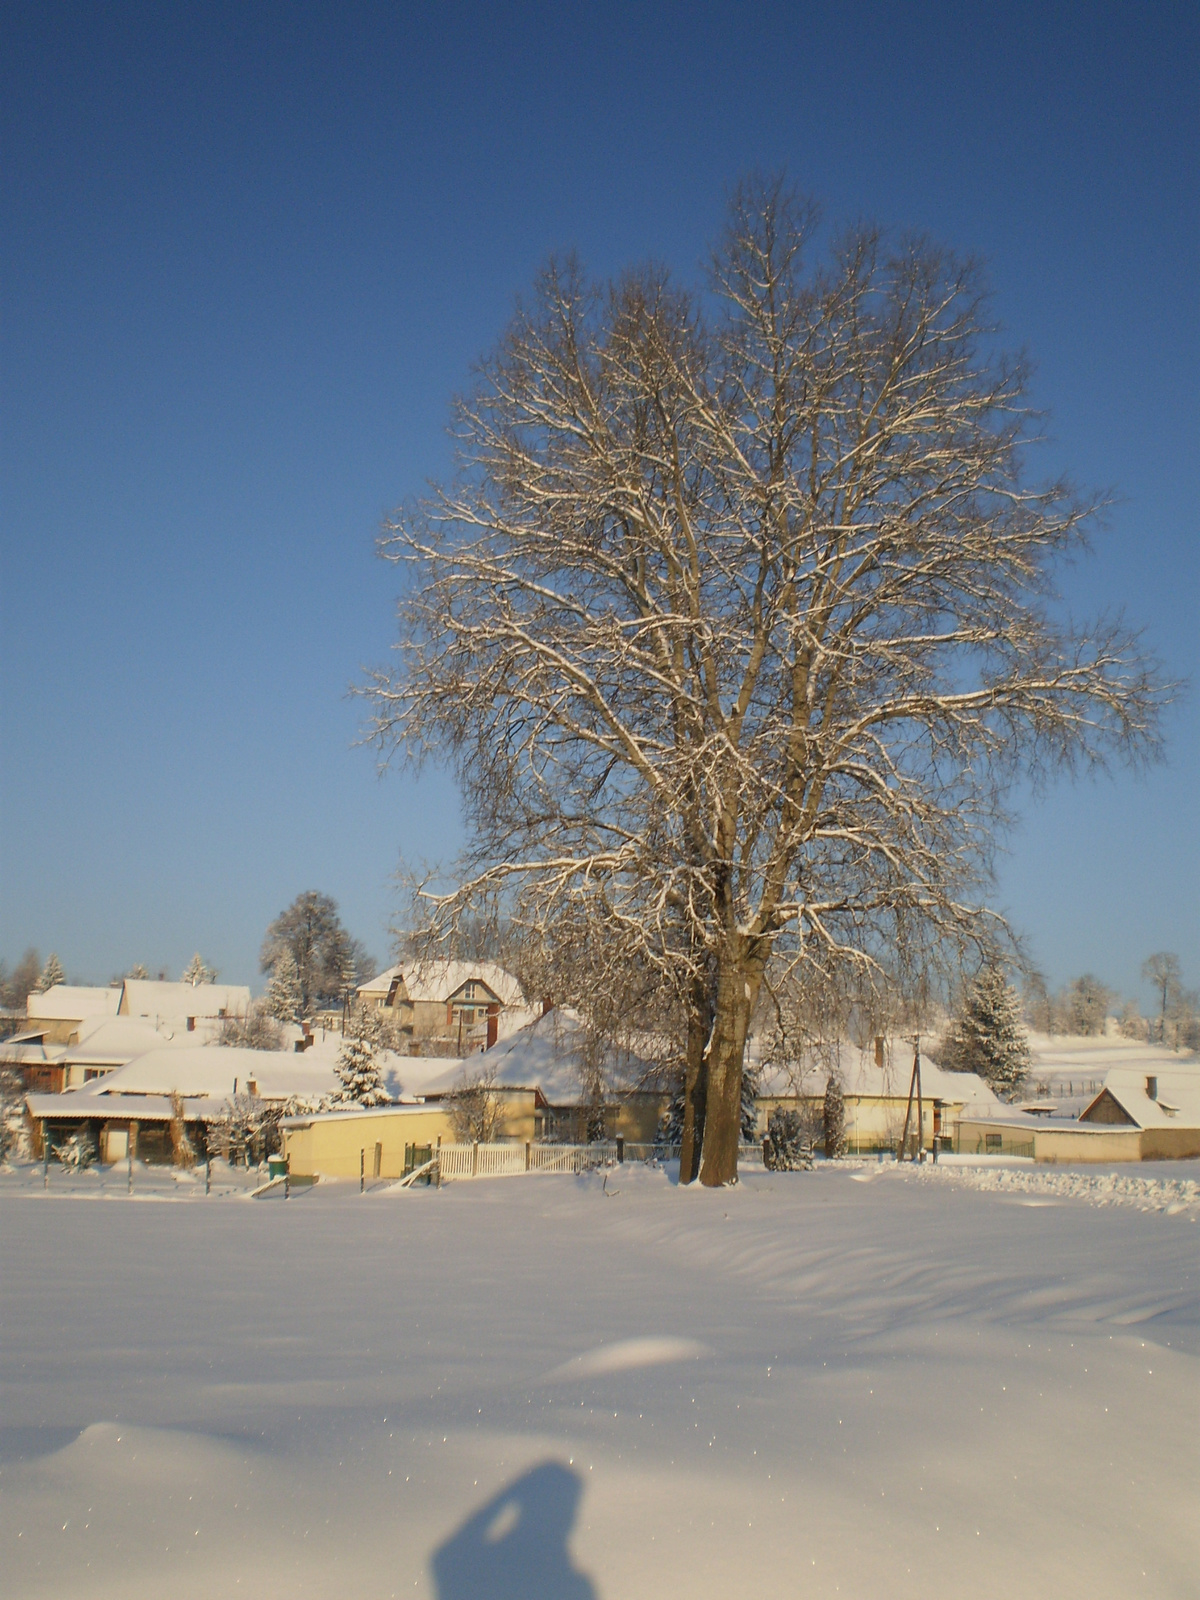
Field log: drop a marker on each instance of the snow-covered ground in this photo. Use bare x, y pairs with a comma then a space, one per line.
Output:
862, 1380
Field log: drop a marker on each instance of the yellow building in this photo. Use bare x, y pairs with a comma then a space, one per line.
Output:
373, 1141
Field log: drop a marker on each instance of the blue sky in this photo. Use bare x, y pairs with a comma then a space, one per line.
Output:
249, 253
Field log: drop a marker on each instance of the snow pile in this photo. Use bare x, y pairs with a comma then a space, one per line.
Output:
1103, 1188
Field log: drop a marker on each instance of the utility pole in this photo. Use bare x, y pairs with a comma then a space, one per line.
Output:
914, 1090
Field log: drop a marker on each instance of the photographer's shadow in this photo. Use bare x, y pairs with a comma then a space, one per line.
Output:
515, 1547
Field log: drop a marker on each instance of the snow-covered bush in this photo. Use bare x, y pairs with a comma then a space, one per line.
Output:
834, 1118
788, 1146
257, 1030
14, 1128
77, 1152
247, 1129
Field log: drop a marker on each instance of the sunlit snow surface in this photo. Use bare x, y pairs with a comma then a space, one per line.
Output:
858, 1381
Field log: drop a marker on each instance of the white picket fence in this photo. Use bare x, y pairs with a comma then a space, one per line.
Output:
511, 1160
507, 1160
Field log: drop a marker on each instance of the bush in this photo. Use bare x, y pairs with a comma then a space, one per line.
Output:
788, 1146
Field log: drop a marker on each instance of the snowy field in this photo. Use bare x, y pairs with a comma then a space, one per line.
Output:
866, 1381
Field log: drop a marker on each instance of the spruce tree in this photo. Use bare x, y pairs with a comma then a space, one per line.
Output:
52, 973
196, 972
749, 1112
988, 1037
835, 1118
358, 1073
283, 991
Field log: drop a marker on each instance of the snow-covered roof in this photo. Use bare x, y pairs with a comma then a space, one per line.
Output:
438, 980
105, 1041
175, 1002
348, 1113
1176, 1099
542, 1055
70, 1002
210, 1071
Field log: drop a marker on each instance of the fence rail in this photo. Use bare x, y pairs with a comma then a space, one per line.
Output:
509, 1160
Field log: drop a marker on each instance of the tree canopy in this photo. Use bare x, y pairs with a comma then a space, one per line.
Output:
739, 621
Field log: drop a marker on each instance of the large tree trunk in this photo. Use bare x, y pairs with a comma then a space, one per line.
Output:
737, 989
695, 1081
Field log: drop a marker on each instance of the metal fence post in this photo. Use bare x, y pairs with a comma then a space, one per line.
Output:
620, 1148
129, 1152
362, 1172
208, 1175
474, 1159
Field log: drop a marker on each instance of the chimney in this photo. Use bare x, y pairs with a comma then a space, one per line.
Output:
1152, 1088
879, 1050
547, 1005
191, 1021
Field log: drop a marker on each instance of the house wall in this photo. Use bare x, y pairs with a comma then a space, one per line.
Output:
1170, 1144
873, 1122
329, 1147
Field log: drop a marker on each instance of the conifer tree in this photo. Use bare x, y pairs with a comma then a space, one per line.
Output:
196, 972
988, 1037
358, 1073
749, 1112
52, 973
283, 991
138, 971
835, 1118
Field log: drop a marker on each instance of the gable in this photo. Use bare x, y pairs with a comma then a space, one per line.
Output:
1108, 1109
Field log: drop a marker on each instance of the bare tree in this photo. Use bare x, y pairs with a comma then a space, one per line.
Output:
737, 623
474, 1109
327, 959
1162, 970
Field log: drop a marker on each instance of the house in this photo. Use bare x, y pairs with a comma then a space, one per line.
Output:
537, 1088
53, 1014
464, 1005
1163, 1106
130, 1110
182, 1004
1147, 1108
875, 1088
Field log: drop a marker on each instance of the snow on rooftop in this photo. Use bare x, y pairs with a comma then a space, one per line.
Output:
1166, 1096
70, 1002
437, 980
211, 1071
175, 1002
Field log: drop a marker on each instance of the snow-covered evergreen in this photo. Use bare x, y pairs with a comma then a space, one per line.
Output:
987, 1036
835, 1118
197, 972
52, 973
358, 1072
283, 991
749, 1118
787, 1147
